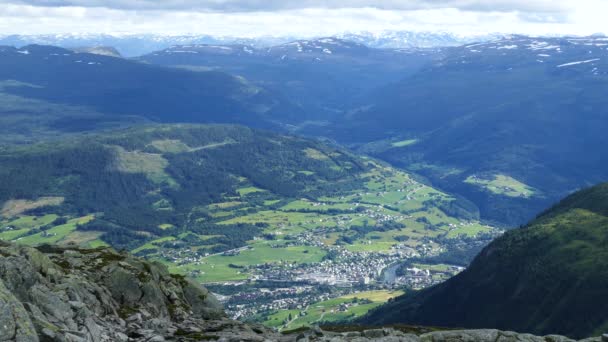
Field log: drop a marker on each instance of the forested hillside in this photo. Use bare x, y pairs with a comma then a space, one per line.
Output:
183, 192
326, 76
44, 88
143, 177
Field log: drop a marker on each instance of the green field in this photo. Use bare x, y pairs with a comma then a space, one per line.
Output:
248, 190
60, 233
333, 310
375, 210
502, 185
386, 194
217, 268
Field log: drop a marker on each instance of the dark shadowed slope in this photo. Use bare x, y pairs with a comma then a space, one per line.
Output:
324, 76
532, 109
119, 87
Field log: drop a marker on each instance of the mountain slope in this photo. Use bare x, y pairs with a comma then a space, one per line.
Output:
70, 294
324, 76
146, 176
513, 108
121, 88
185, 194
548, 276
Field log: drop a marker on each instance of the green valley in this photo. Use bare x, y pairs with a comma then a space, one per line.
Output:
237, 208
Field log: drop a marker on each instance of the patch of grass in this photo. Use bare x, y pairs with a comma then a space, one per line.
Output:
334, 310
217, 268
468, 230
404, 143
15, 207
150, 164
315, 154
56, 234
502, 185
248, 190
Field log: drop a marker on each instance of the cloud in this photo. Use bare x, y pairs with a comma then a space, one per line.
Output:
273, 5
305, 18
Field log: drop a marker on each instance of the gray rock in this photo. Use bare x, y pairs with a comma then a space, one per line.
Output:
15, 323
374, 333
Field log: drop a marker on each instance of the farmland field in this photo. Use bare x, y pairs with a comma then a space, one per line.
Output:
333, 310
503, 185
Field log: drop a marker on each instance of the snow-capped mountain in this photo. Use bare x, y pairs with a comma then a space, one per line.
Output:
137, 45
313, 50
324, 46
409, 39
513, 52
134, 45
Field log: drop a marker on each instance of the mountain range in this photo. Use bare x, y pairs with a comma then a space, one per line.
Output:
132, 45
324, 77
498, 123
101, 150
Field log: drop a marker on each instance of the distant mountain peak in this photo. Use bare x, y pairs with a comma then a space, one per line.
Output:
100, 50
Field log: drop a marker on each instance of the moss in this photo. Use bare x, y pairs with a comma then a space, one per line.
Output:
173, 308
125, 311
144, 277
296, 330
180, 279
195, 335
64, 264
107, 258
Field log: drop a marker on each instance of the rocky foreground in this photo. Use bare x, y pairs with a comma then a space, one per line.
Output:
69, 294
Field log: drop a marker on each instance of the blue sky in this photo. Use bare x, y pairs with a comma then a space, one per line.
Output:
302, 18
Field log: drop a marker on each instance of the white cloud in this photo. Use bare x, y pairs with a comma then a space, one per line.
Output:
308, 18
265, 5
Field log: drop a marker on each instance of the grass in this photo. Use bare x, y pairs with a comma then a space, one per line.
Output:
55, 234
375, 296
404, 143
437, 267
151, 164
217, 268
29, 222
315, 154
469, 230
502, 185
333, 310
248, 190
15, 207
152, 244
170, 146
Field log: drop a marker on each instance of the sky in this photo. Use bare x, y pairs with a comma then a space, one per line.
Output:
303, 18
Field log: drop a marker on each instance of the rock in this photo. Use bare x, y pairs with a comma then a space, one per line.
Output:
374, 333
605, 338
15, 323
